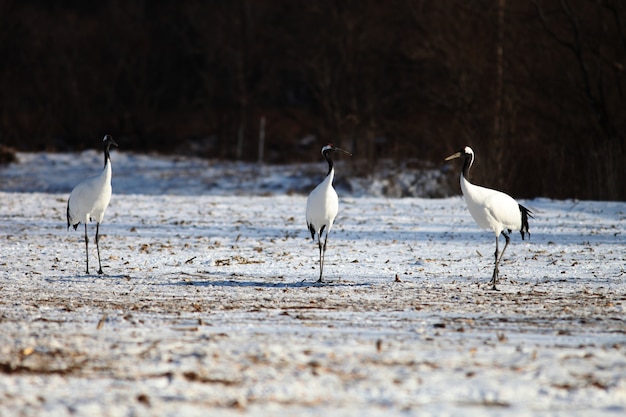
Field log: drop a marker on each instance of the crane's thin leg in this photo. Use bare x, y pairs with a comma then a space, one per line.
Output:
322, 250
86, 250
498, 259
507, 239
98, 248
494, 277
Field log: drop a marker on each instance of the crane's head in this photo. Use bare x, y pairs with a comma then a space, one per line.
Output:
332, 148
108, 141
466, 152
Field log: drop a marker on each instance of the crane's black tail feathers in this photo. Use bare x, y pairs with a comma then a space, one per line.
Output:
312, 230
68, 215
525, 215
69, 223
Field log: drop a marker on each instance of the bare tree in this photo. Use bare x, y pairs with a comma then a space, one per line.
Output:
601, 160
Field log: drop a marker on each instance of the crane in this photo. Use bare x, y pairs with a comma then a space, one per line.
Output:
492, 209
322, 205
89, 200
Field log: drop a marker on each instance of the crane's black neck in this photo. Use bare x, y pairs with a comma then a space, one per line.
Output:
329, 160
107, 157
467, 164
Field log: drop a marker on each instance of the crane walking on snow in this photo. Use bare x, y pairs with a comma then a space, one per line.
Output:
491, 209
322, 205
89, 200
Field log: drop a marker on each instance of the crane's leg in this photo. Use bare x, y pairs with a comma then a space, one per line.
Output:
86, 250
498, 259
319, 244
98, 248
324, 250
494, 277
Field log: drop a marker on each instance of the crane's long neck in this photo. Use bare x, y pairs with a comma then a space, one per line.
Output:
107, 157
329, 177
106, 173
466, 185
330, 162
467, 164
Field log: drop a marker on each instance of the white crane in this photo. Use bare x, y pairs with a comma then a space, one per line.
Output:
89, 200
322, 205
491, 209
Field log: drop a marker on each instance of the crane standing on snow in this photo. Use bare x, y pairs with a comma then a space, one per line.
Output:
89, 199
322, 205
491, 209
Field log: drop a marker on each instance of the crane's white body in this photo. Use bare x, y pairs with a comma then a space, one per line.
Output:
90, 198
491, 209
322, 205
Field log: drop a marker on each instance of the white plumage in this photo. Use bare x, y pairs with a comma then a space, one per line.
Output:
322, 206
491, 209
89, 199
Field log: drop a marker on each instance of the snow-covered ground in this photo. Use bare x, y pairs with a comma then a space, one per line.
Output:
159, 175
209, 306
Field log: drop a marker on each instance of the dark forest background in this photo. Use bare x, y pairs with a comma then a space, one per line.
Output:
537, 88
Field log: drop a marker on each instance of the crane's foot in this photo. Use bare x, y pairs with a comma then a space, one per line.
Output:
493, 282
100, 272
320, 281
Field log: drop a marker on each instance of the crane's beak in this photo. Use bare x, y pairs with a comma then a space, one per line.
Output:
454, 156
342, 150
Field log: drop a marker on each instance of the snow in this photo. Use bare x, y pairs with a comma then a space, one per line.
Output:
209, 302
158, 175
